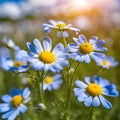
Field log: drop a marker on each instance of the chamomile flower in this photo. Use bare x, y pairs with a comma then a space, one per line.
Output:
107, 62
83, 50
45, 57
52, 83
60, 26
14, 104
91, 92
26, 80
10, 44
16, 64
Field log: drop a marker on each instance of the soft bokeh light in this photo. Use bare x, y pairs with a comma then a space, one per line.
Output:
68, 22
82, 4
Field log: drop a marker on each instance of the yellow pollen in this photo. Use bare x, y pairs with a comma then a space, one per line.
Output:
17, 100
94, 89
48, 80
17, 63
86, 48
105, 63
61, 26
47, 57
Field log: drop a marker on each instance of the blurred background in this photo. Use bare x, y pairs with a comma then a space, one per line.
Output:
21, 20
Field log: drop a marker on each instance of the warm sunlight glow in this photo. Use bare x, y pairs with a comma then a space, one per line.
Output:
82, 3
88, 4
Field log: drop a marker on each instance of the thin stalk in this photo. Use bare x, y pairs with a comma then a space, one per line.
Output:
40, 81
91, 115
69, 90
39, 92
42, 78
64, 40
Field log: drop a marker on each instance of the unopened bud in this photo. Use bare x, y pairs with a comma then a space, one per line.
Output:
40, 106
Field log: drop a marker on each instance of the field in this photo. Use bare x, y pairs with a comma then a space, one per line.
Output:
57, 101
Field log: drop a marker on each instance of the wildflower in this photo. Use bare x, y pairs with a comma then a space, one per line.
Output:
60, 26
44, 57
51, 83
26, 80
16, 64
10, 44
107, 62
4, 54
91, 93
40, 106
82, 50
14, 104
71, 70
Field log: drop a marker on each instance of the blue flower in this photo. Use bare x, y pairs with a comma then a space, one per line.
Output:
107, 62
91, 93
83, 50
60, 26
10, 44
45, 57
52, 83
16, 64
14, 104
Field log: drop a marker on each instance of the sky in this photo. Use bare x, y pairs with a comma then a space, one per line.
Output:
15, 9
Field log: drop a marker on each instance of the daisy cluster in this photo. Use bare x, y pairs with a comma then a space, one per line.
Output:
46, 67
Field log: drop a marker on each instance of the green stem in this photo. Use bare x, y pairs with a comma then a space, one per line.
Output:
69, 91
42, 78
40, 89
64, 40
99, 71
75, 70
39, 92
91, 115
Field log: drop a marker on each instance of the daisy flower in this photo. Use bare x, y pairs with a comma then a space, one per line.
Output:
60, 26
14, 104
83, 50
10, 44
26, 80
45, 57
91, 93
16, 64
107, 62
52, 83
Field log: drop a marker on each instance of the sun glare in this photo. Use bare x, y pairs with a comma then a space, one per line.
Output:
82, 3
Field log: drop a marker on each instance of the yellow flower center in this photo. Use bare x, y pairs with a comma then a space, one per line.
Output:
47, 57
61, 26
17, 63
17, 100
94, 89
48, 80
105, 63
86, 48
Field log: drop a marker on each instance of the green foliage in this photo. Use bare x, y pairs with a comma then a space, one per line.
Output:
56, 100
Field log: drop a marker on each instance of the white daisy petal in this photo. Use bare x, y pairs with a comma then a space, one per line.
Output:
26, 93
47, 44
87, 79
82, 97
53, 22
38, 45
105, 102
6, 98
7, 114
96, 101
22, 108
80, 84
14, 114
88, 101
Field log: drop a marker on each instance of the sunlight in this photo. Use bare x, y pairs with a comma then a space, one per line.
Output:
82, 3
